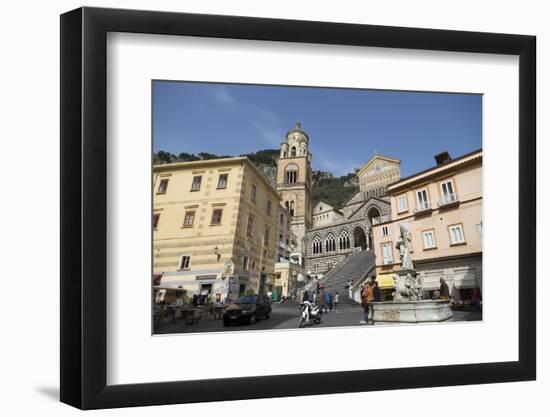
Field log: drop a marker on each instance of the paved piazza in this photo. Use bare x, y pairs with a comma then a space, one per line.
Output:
286, 316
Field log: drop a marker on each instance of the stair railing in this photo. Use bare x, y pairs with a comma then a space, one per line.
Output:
356, 286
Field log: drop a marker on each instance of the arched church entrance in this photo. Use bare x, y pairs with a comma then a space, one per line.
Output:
359, 238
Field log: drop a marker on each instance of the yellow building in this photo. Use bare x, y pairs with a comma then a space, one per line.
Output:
288, 276
442, 209
215, 227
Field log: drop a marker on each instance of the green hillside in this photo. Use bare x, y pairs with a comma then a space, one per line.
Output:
326, 187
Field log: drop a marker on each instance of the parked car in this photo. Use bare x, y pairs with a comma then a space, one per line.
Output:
247, 309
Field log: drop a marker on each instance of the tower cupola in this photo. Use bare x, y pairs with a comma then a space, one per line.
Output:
295, 144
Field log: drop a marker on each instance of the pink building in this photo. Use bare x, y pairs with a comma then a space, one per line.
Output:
443, 211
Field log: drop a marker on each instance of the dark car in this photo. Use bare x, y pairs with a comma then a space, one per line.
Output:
247, 309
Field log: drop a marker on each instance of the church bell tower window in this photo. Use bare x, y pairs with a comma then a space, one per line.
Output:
291, 174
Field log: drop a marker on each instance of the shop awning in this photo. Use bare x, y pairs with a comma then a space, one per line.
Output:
156, 278
385, 281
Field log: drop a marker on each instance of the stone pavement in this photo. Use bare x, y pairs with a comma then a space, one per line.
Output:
286, 316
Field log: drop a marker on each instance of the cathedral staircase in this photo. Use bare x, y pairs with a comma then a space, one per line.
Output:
356, 267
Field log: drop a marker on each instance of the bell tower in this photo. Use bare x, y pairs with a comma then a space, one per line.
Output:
294, 181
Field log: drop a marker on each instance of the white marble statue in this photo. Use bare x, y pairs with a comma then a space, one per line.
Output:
404, 247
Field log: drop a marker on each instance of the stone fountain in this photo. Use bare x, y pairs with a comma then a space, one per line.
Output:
407, 305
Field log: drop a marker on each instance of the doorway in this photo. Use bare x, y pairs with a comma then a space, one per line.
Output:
242, 289
359, 238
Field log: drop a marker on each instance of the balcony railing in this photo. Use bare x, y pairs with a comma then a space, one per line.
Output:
282, 245
449, 199
422, 207
381, 219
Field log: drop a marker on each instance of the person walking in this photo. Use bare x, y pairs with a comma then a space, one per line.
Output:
367, 297
336, 299
323, 301
377, 297
350, 289
377, 292
328, 301
443, 290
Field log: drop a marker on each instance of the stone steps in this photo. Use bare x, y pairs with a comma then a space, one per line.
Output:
356, 267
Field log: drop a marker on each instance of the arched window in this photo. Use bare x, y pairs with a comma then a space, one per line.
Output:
284, 154
291, 211
291, 174
373, 213
293, 151
330, 243
344, 240
287, 206
316, 246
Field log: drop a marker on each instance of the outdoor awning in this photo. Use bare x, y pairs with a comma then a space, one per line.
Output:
385, 281
156, 278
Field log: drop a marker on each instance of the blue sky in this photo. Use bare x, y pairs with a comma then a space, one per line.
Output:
345, 126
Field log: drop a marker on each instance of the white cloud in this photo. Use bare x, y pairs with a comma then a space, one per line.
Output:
268, 126
222, 95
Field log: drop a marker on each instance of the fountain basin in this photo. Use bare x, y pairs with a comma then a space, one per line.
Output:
422, 311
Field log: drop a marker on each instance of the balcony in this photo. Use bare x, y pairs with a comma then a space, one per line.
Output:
449, 200
382, 219
423, 207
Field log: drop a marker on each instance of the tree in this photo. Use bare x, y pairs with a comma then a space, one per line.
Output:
184, 157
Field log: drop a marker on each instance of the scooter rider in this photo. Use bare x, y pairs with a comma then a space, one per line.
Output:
308, 305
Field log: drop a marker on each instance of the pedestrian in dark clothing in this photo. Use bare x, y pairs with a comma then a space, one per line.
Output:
377, 292
306, 296
328, 301
443, 290
367, 297
323, 301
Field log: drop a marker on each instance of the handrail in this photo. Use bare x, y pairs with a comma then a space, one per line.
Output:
381, 219
449, 199
423, 206
362, 279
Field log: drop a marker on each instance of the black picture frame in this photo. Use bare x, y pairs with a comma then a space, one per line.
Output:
84, 207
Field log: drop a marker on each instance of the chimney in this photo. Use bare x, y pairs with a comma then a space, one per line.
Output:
442, 158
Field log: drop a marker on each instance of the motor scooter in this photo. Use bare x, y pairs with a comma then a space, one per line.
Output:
310, 312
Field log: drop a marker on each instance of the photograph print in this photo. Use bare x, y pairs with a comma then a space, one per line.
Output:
293, 207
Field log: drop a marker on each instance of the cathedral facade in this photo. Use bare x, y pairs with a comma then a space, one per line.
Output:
327, 235
337, 233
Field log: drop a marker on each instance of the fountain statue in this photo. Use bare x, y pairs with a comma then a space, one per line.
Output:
407, 305
407, 283
404, 247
